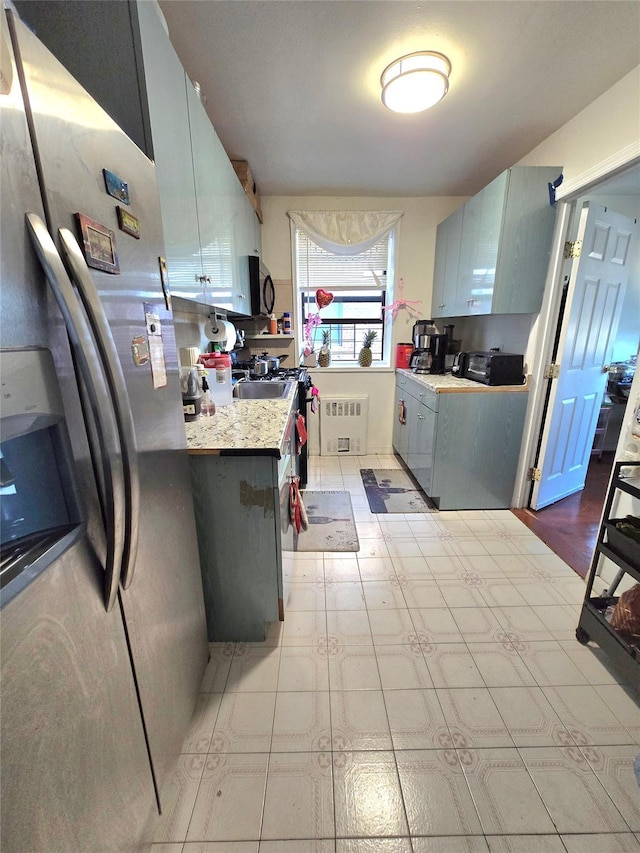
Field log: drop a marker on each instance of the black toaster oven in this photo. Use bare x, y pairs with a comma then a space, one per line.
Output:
495, 368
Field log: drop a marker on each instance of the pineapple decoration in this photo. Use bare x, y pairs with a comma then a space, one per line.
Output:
365, 358
324, 355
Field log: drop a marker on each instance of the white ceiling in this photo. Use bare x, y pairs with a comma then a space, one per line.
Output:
292, 86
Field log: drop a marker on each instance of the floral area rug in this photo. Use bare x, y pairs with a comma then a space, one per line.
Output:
331, 523
393, 490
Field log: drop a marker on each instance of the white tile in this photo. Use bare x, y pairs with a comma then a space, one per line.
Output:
217, 671
179, 794
345, 596
308, 845
244, 723
422, 593
383, 595
306, 596
444, 567
303, 668
451, 844
478, 624
353, 668
503, 792
302, 782
500, 665
374, 845
436, 794
613, 843
614, 767
359, 720
521, 623
304, 628
472, 718
529, 717
625, 704
501, 592
461, 593
592, 661
402, 667
412, 567
525, 844
550, 664
375, 568
389, 627
349, 627
416, 719
203, 721
571, 791
451, 665
228, 806
368, 802
435, 626
341, 569
587, 717
302, 722
254, 669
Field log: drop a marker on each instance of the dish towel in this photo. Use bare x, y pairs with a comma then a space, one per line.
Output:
297, 510
301, 433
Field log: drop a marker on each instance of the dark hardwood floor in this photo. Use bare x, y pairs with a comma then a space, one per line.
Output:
570, 526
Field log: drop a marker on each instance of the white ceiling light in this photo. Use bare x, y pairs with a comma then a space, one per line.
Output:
415, 82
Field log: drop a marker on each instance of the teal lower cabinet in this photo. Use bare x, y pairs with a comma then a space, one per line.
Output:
242, 520
461, 446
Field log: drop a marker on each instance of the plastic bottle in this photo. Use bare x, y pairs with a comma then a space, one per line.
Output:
219, 364
207, 406
286, 323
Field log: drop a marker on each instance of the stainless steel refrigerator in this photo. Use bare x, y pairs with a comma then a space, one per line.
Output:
103, 639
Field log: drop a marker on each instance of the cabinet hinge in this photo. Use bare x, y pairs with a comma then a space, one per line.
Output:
552, 371
572, 249
535, 474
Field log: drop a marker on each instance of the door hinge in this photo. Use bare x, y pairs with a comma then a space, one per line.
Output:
535, 474
572, 249
552, 371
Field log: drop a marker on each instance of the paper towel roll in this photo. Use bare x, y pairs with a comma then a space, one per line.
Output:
221, 331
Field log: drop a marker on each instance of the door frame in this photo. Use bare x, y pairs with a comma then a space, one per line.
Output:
542, 340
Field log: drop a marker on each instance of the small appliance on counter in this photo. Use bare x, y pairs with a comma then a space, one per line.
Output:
430, 348
494, 367
459, 364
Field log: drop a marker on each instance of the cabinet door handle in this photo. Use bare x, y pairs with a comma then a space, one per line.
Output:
421, 417
422, 395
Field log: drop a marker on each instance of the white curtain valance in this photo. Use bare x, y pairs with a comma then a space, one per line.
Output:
345, 232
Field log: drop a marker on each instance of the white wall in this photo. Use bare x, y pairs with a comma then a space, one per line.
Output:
609, 124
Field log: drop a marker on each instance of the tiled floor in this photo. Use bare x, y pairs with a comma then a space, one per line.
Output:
425, 695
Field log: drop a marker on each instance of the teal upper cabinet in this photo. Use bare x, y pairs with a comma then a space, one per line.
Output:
447, 259
167, 93
214, 206
495, 248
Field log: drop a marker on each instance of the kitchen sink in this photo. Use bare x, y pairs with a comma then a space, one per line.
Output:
272, 390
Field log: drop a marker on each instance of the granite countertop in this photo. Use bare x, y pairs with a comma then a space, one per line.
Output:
448, 384
246, 427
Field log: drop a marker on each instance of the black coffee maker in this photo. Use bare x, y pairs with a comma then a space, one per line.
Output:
429, 348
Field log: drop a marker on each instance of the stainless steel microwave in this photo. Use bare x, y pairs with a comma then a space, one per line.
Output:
495, 368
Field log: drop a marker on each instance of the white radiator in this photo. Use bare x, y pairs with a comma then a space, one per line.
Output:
343, 426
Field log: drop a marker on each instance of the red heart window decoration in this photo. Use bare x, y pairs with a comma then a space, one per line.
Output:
323, 298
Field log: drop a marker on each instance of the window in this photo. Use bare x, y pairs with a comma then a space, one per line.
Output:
361, 285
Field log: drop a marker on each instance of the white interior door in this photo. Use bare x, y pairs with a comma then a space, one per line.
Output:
594, 301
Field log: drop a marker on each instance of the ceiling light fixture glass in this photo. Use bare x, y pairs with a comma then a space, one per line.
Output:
415, 82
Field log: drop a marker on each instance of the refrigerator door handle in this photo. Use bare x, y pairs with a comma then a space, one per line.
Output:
105, 430
90, 298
